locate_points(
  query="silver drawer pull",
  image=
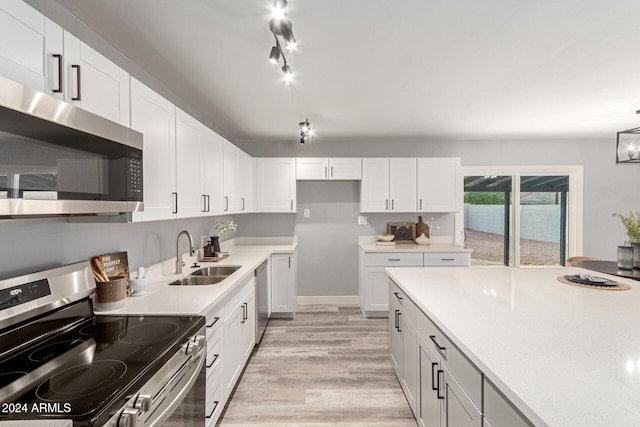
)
(394, 259)
(446, 259)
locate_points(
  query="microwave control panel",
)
(134, 168)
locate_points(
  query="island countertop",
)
(564, 355)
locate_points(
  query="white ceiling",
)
(383, 69)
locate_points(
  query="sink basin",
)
(198, 280)
(223, 270)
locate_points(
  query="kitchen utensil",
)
(110, 294)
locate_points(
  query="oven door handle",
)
(170, 407)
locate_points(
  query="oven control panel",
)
(21, 294)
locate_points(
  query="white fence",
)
(538, 222)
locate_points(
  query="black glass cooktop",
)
(77, 366)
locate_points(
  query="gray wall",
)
(328, 238)
(35, 244)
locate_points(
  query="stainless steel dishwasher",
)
(262, 299)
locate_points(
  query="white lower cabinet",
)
(402, 343)
(284, 284)
(230, 341)
(430, 404)
(459, 409)
(498, 411)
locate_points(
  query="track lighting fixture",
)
(280, 26)
(305, 130)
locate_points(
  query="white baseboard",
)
(338, 299)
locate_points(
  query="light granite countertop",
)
(564, 355)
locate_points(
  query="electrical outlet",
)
(203, 241)
(307, 213)
(362, 220)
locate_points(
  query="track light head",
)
(287, 35)
(286, 73)
(274, 56)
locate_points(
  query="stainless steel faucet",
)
(192, 250)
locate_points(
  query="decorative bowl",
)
(386, 237)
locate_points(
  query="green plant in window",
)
(632, 225)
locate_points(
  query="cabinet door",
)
(94, 83)
(249, 325)
(283, 284)
(231, 171)
(155, 117)
(395, 339)
(247, 181)
(402, 184)
(232, 354)
(376, 289)
(28, 41)
(409, 363)
(374, 190)
(312, 168)
(188, 165)
(439, 185)
(429, 406)
(276, 185)
(211, 169)
(345, 168)
(459, 409)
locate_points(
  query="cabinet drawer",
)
(498, 411)
(407, 308)
(214, 403)
(469, 377)
(447, 258)
(214, 351)
(384, 259)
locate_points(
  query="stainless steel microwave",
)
(58, 159)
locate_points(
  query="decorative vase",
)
(421, 227)
(636, 254)
(625, 257)
(215, 241)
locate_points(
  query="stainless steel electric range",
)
(59, 360)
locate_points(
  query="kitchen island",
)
(562, 355)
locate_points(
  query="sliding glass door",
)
(523, 218)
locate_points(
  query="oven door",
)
(191, 411)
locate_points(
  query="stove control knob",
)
(128, 418)
(195, 344)
(143, 402)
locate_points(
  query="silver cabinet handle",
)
(446, 259)
(393, 204)
(226, 203)
(420, 204)
(78, 97)
(242, 203)
(394, 259)
(59, 58)
(386, 203)
(204, 203)
(325, 172)
(331, 171)
(291, 205)
(175, 202)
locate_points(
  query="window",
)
(523, 216)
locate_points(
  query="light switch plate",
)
(362, 220)
(307, 213)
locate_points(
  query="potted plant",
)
(219, 228)
(629, 255)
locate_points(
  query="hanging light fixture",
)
(628, 145)
(305, 130)
(281, 26)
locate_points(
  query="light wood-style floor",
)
(327, 367)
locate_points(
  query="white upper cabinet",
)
(276, 185)
(388, 185)
(28, 43)
(346, 168)
(232, 202)
(188, 165)
(247, 183)
(211, 171)
(94, 83)
(155, 117)
(440, 185)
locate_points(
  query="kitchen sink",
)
(225, 270)
(198, 280)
